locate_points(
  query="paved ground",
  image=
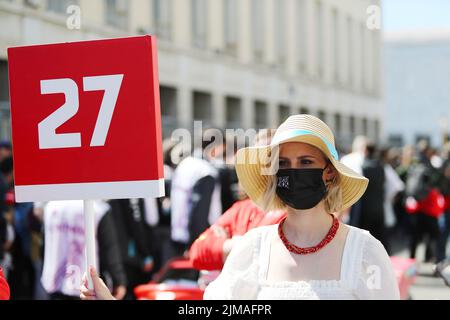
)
(427, 286)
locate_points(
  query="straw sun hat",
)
(254, 165)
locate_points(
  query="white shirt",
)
(354, 161)
(366, 272)
(64, 257)
(392, 185)
(188, 172)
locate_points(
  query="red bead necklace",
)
(297, 250)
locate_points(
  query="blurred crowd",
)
(42, 244)
(407, 201)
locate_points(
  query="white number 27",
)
(49, 139)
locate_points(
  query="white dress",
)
(366, 272)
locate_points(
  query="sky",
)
(404, 15)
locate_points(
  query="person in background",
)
(158, 212)
(354, 161)
(4, 288)
(7, 232)
(22, 276)
(3, 236)
(444, 187)
(372, 202)
(135, 240)
(37, 248)
(5, 150)
(8, 237)
(393, 187)
(21, 273)
(195, 193)
(227, 175)
(421, 190)
(404, 221)
(64, 256)
(5, 170)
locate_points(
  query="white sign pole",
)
(89, 234)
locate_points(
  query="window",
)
(280, 30)
(301, 34)
(202, 107)
(285, 112)
(319, 38)
(233, 112)
(364, 125)
(321, 115)
(260, 115)
(376, 125)
(230, 29)
(336, 41)
(162, 17)
(395, 140)
(60, 6)
(304, 110)
(337, 124)
(117, 13)
(4, 83)
(258, 30)
(168, 97)
(352, 125)
(5, 124)
(199, 18)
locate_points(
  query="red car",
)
(406, 271)
(178, 280)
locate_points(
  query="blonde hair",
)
(332, 201)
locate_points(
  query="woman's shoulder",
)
(366, 241)
(356, 232)
(253, 237)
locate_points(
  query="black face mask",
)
(301, 188)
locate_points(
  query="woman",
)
(310, 254)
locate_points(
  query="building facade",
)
(231, 63)
(417, 93)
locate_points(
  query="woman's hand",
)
(100, 292)
(120, 292)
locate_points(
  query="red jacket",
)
(433, 204)
(4, 288)
(206, 252)
(447, 203)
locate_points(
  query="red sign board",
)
(86, 120)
